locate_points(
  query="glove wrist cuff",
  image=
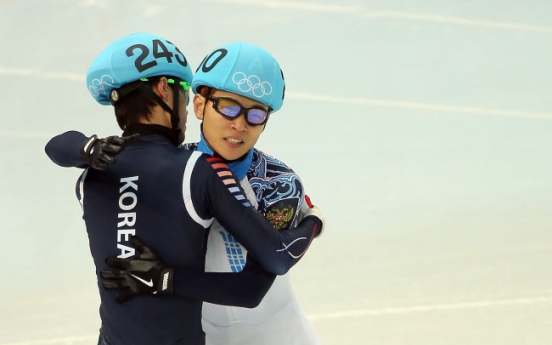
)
(166, 281)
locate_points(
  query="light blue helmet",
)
(133, 57)
(243, 69)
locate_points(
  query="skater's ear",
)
(199, 106)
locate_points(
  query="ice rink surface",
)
(423, 129)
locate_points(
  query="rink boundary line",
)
(346, 314)
(25, 135)
(418, 106)
(295, 5)
(427, 308)
(58, 341)
(456, 20)
(314, 97)
(364, 12)
(36, 73)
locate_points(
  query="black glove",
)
(146, 274)
(98, 153)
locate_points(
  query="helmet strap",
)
(175, 118)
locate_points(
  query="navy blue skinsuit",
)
(168, 197)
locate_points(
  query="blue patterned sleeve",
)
(278, 188)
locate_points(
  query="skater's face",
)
(182, 114)
(230, 137)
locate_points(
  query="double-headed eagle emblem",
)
(281, 216)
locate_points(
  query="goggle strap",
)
(185, 85)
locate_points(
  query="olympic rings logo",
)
(253, 84)
(100, 86)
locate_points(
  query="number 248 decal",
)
(160, 51)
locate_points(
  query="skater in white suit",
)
(234, 80)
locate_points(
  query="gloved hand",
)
(98, 153)
(309, 209)
(147, 274)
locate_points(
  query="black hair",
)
(137, 104)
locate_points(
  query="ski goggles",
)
(231, 109)
(185, 87)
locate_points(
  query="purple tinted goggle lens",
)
(230, 109)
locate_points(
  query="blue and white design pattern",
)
(278, 192)
(234, 251)
(272, 181)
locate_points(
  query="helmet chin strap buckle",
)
(114, 96)
(117, 94)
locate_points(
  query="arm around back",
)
(217, 193)
(64, 149)
(242, 289)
